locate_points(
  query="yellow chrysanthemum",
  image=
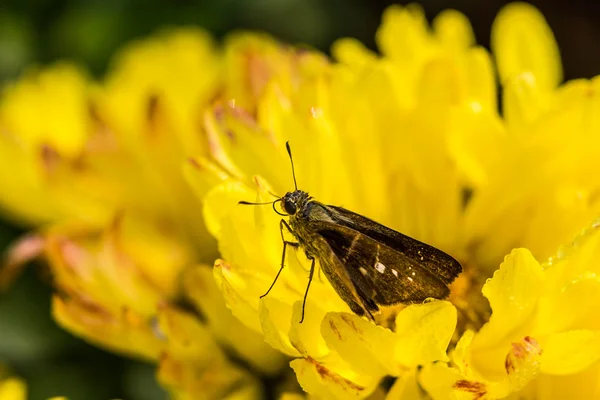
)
(109, 175)
(414, 140)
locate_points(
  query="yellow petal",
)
(584, 385)
(125, 333)
(480, 80)
(165, 96)
(352, 52)
(292, 396)
(424, 332)
(454, 30)
(190, 380)
(570, 305)
(202, 175)
(445, 383)
(522, 364)
(49, 108)
(406, 387)
(368, 348)
(186, 337)
(524, 101)
(305, 336)
(13, 389)
(402, 35)
(200, 287)
(219, 202)
(570, 352)
(523, 42)
(275, 319)
(474, 137)
(317, 380)
(513, 293)
(241, 308)
(441, 85)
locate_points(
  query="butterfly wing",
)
(438, 263)
(377, 264)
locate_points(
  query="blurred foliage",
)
(89, 32)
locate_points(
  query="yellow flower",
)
(108, 174)
(546, 180)
(98, 175)
(544, 325)
(11, 388)
(414, 139)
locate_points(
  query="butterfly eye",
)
(289, 207)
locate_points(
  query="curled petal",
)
(275, 318)
(513, 294)
(424, 332)
(125, 332)
(317, 380)
(368, 348)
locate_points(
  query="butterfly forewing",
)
(378, 272)
(380, 266)
(441, 265)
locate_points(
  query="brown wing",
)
(379, 274)
(346, 286)
(443, 266)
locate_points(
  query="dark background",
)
(42, 31)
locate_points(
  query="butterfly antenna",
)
(247, 203)
(287, 146)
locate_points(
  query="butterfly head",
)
(294, 201)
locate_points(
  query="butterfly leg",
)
(310, 277)
(285, 244)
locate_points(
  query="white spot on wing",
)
(395, 273)
(380, 267)
(410, 279)
(362, 270)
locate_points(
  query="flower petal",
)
(13, 389)
(454, 30)
(406, 387)
(200, 287)
(275, 319)
(570, 352)
(240, 308)
(368, 348)
(305, 336)
(319, 381)
(424, 332)
(186, 380)
(513, 294)
(125, 332)
(523, 42)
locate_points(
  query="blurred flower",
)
(97, 174)
(11, 387)
(414, 139)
